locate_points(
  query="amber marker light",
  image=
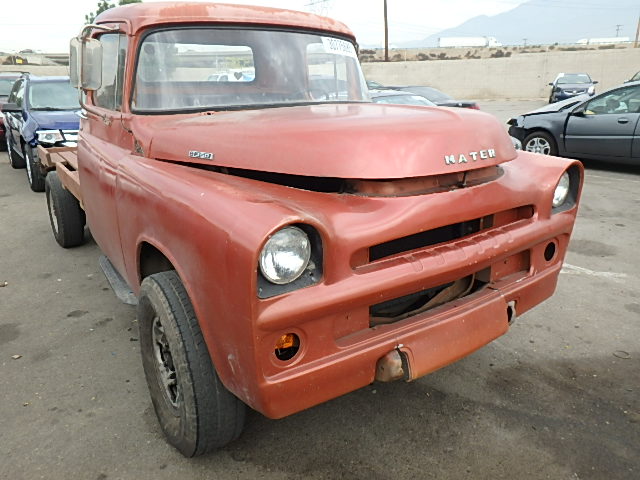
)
(287, 346)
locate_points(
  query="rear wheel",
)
(540, 142)
(65, 214)
(34, 170)
(196, 412)
(14, 160)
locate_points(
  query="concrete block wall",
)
(521, 76)
(36, 69)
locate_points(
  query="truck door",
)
(14, 120)
(606, 129)
(103, 143)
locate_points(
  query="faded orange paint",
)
(140, 187)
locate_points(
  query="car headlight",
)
(285, 256)
(49, 136)
(562, 190)
(517, 144)
(591, 90)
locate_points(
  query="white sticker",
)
(339, 47)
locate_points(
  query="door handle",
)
(623, 120)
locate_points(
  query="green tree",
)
(105, 5)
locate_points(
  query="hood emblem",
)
(471, 156)
(201, 155)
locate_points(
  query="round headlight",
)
(285, 255)
(562, 190)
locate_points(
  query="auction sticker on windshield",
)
(339, 47)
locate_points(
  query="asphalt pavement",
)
(557, 397)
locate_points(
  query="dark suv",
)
(567, 85)
(39, 110)
(7, 79)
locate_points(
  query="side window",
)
(624, 100)
(17, 93)
(114, 52)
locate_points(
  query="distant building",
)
(603, 41)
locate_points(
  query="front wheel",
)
(540, 142)
(34, 170)
(196, 412)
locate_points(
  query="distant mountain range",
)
(547, 22)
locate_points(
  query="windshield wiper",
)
(55, 109)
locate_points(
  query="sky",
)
(47, 26)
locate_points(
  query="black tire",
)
(196, 412)
(14, 160)
(34, 169)
(540, 142)
(65, 214)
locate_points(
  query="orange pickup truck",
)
(286, 240)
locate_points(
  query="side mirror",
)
(550, 84)
(595, 81)
(85, 63)
(10, 108)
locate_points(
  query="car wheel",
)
(14, 160)
(196, 412)
(540, 142)
(34, 171)
(65, 214)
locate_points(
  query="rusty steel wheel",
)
(196, 412)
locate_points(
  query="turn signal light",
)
(287, 346)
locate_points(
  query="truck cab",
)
(287, 240)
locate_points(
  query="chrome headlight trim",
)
(285, 255)
(561, 191)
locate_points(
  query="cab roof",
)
(141, 15)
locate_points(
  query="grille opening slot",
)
(413, 304)
(446, 233)
(428, 238)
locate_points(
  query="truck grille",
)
(448, 233)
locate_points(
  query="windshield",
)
(430, 93)
(221, 68)
(574, 78)
(53, 96)
(404, 100)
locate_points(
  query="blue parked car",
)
(567, 85)
(39, 110)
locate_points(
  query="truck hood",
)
(361, 141)
(56, 119)
(561, 105)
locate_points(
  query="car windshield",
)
(430, 93)
(53, 96)
(574, 78)
(404, 100)
(194, 69)
(5, 86)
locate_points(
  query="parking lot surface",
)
(557, 397)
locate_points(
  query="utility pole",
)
(618, 29)
(524, 42)
(386, 33)
(635, 44)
